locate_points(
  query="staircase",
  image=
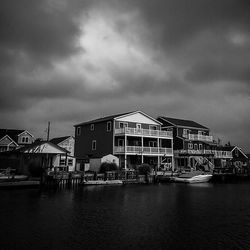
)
(203, 161)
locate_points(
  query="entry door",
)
(138, 126)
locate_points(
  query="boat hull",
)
(194, 179)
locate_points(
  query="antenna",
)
(48, 130)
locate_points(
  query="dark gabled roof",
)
(181, 122)
(225, 148)
(106, 118)
(12, 133)
(57, 140)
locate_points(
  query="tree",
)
(145, 169)
(108, 166)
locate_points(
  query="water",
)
(164, 216)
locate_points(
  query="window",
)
(123, 124)
(190, 146)
(236, 152)
(200, 146)
(78, 131)
(200, 133)
(185, 131)
(153, 127)
(70, 162)
(120, 142)
(108, 126)
(152, 144)
(25, 139)
(92, 127)
(94, 145)
(195, 147)
(62, 162)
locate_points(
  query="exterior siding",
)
(104, 140)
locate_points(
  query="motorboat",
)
(193, 177)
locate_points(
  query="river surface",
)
(162, 216)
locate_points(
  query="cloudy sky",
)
(71, 61)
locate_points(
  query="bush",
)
(108, 166)
(145, 169)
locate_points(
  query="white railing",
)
(215, 153)
(144, 150)
(144, 132)
(197, 137)
(222, 154)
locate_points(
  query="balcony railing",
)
(215, 153)
(144, 150)
(144, 132)
(196, 137)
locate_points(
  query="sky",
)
(70, 61)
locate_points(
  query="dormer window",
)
(25, 139)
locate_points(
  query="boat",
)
(4, 178)
(193, 177)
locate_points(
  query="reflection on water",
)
(173, 216)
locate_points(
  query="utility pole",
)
(48, 131)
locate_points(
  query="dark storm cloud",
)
(187, 59)
(40, 28)
(217, 71)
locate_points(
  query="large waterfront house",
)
(68, 143)
(193, 144)
(133, 137)
(11, 139)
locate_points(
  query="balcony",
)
(222, 154)
(143, 150)
(144, 132)
(215, 153)
(197, 137)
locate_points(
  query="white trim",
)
(138, 111)
(9, 139)
(239, 149)
(26, 131)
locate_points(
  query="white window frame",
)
(195, 146)
(190, 145)
(138, 125)
(200, 132)
(93, 145)
(108, 126)
(70, 161)
(124, 124)
(92, 127)
(62, 162)
(78, 130)
(200, 147)
(185, 133)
